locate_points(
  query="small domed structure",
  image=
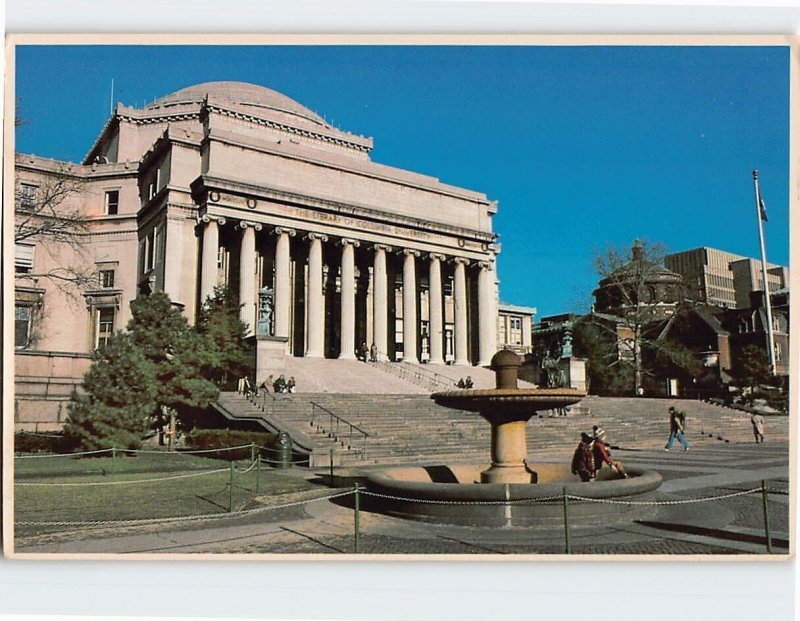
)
(639, 281)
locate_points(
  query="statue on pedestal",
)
(266, 304)
(566, 341)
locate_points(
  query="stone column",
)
(347, 331)
(208, 261)
(380, 302)
(435, 315)
(487, 315)
(315, 320)
(282, 285)
(410, 306)
(460, 295)
(247, 274)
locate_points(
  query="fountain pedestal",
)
(509, 448)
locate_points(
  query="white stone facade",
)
(236, 184)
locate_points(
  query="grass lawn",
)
(106, 496)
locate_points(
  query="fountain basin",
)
(426, 493)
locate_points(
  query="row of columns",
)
(315, 325)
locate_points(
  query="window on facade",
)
(112, 202)
(448, 287)
(107, 279)
(27, 194)
(23, 316)
(105, 326)
(778, 353)
(23, 258)
(516, 323)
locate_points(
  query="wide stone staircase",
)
(410, 428)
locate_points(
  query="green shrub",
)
(28, 442)
(208, 439)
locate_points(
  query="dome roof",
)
(240, 94)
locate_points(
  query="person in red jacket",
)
(601, 454)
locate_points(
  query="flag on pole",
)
(763, 209)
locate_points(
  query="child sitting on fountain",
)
(601, 454)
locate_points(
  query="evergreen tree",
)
(119, 399)
(157, 363)
(751, 369)
(220, 326)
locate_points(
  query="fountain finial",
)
(505, 365)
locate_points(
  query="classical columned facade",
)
(410, 296)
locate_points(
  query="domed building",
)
(229, 183)
(639, 283)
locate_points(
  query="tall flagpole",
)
(767, 303)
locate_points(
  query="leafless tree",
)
(46, 215)
(636, 300)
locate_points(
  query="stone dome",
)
(240, 94)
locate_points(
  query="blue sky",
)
(583, 147)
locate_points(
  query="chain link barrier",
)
(151, 480)
(140, 451)
(188, 518)
(559, 497)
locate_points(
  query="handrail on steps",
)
(333, 427)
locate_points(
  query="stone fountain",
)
(510, 491)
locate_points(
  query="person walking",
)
(677, 427)
(583, 463)
(602, 455)
(758, 426)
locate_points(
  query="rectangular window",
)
(27, 194)
(105, 326)
(112, 202)
(23, 258)
(107, 279)
(448, 286)
(22, 326)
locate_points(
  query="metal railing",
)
(416, 374)
(337, 428)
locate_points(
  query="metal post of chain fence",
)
(766, 515)
(258, 472)
(331, 466)
(230, 501)
(113, 459)
(356, 517)
(567, 542)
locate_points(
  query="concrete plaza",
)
(308, 523)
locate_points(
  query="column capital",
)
(245, 224)
(410, 252)
(206, 218)
(384, 247)
(484, 265)
(313, 236)
(436, 256)
(460, 260)
(280, 230)
(347, 241)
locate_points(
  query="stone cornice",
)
(49, 166)
(435, 186)
(350, 141)
(208, 182)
